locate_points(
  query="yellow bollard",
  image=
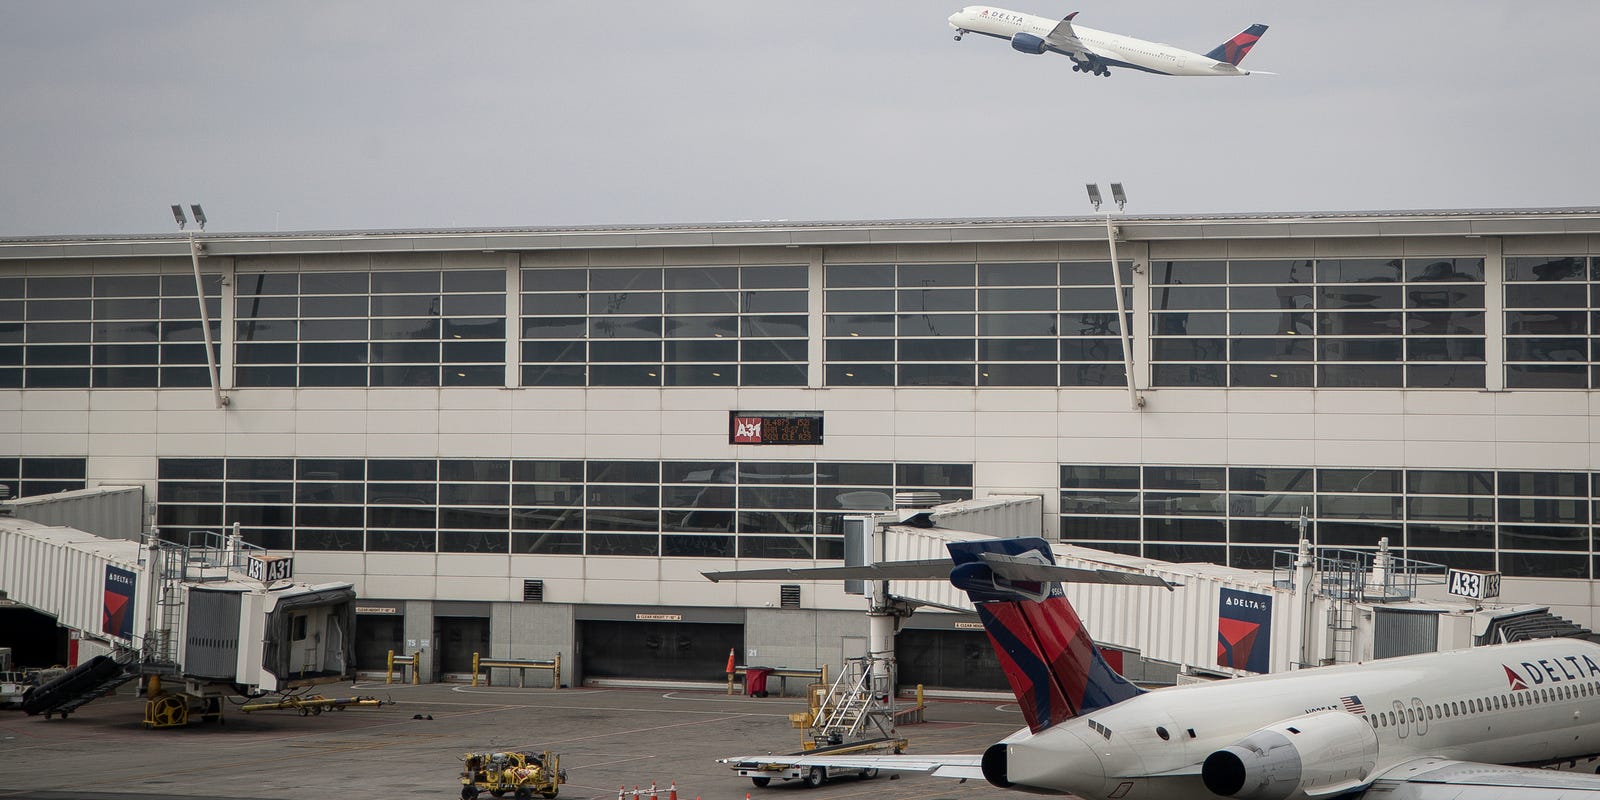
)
(416, 668)
(388, 678)
(474, 668)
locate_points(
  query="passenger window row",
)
(1481, 705)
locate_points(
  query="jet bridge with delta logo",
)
(197, 622)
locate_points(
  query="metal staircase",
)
(858, 705)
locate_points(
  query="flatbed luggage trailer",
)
(762, 773)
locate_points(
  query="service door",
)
(455, 639)
(655, 650)
(948, 659)
(375, 637)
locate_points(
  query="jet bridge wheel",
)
(166, 711)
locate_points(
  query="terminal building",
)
(522, 442)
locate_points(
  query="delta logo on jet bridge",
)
(1552, 670)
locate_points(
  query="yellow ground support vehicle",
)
(521, 775)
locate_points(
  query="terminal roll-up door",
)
(693, 651)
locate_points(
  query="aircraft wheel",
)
(761, 783)
(816, 776)
(870, 774)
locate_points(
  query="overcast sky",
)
(330, 115)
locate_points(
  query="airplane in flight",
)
(1460, 725)
(1096, 52)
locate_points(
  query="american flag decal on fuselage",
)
(1353, 704)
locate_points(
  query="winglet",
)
(1068, 18)
(1234, 50)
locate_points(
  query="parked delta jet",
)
(1460, 725)
(1095, 51)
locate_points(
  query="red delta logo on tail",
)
(1054, 668)
(1234, 50)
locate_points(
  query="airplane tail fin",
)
(1053, 667)
(1234, 50)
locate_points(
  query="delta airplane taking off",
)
(1461, 725)
(1095, 51)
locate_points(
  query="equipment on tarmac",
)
(312, 704)
(520, 774)
(855, 715)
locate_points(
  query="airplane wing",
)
(1443, 779)
(961, 767)
(1062, 36)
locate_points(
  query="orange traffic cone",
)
(652, 790)
(729, 670)
(672, 791)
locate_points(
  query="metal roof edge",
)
(783, 233)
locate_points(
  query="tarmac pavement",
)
(606, 737)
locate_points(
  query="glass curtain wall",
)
(745, 509)
(983, 324)
(105, 331)
(674, 326)
(1353, 322)
(1530, 524)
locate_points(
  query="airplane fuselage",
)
(1109, 49)
(1527, 703)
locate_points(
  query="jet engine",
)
(994, 766)
(1326, 752)
(1027, 43)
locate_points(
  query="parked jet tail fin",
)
(1234, 50)
(1053, 667)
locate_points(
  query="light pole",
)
(195, 250)
(1121, 200)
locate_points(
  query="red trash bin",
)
(755, 681)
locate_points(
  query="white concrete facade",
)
(1016, 438)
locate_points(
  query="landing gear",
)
(960, 33)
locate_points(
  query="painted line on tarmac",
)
(710, 699)
(500, 706)
(631, 731)
(523, 692)
(615, 761)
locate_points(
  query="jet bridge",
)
(214, 618)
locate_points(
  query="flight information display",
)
(774, 427)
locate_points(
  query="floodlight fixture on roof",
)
(1094, 194)
(200, 214)
(177, 214)
(1116, 194)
